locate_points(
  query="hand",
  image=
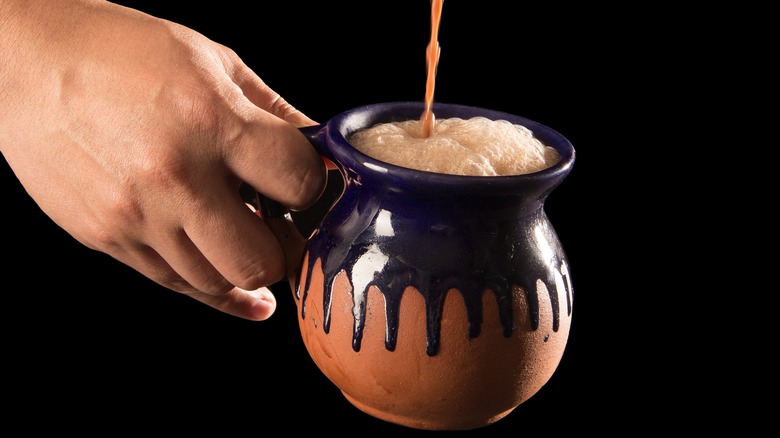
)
(134, 134)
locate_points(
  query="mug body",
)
(434, 301)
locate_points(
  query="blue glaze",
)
(395, 227)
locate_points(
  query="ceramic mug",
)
(433, 301)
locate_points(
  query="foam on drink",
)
(475, 147)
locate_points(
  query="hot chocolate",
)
(476, 147)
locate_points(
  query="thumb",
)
(260, 94)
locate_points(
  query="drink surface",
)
(474, 147)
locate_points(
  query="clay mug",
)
(432, 301)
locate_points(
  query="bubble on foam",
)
(476, 146)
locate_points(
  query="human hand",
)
(134, 134)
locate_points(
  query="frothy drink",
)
(476, 147)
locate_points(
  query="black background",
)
(95, 345)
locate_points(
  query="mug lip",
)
(347, 122)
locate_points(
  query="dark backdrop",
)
(95, 341)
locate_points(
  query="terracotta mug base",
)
(425, 423)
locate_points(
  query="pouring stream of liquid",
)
(433, 52)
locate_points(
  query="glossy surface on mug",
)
(394, 227)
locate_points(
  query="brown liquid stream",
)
(432, 54)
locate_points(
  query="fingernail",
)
(264, 303)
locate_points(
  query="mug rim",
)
(341, 126)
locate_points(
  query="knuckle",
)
(101, 237)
